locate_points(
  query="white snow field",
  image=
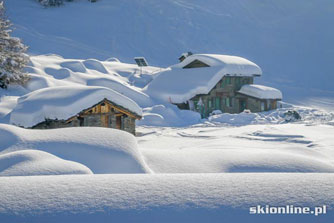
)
(176, 146)
(34, 162)
(163, 198)
(179, 167)
(214, 148)
(102, 150)
(289, 40)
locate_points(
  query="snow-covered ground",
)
(183, 169)
(289, 40)
(210, 148)
(100, 150)
(163, 197)
(176, 149)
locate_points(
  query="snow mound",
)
(113, 59)
(63, 103)
(75, 66)
(277, 116)
(260, 91)
(33, 162)
(164, 198)
(93, 64)
(177, 85)
(168, 115)
(102, 150)
(140, 98)
(210, 148)
(58, 73)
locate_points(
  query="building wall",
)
(224, 97)
(98, 116)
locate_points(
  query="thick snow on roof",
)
(63, 103)
(178, 85)
(240, 65)
(261, 92)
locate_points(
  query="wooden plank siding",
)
(103, 114)
(225, 97)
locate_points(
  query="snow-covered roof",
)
(64, 102)
(236, 65)
(261, 92)
(177, 85)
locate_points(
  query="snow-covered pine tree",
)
(12, 54)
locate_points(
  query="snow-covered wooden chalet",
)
(209, 82)
(76, 106)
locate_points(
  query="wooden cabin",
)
(103, 114)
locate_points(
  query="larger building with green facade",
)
(209, 82)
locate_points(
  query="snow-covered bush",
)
(12, 54)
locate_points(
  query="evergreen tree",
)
(12, 54)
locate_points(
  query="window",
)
(269, 104)
(217, 103)
(228, 80)
(237, 80)
(228, 102)
(262, 106)
(210, 103)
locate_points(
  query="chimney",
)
(184, 56)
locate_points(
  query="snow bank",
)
(210, 148)
(63, 103)
(34, 162)
(94, 64)
(177, 85)
(75, 66)
(163, 198)
(102, 150)
(260, 91)
(168, 115)
(277, 116)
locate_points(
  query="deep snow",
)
(290, 40)
(35, 162)
(102, 150)
(163, 198)
(63, 103)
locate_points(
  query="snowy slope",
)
(289, 40)
(34, 162)
(210, 148)
(163, 198)
(102, 150)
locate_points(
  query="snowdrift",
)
(102, 150)
(260, 31)
(34, 162)
(210, 148)
(163, 198)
